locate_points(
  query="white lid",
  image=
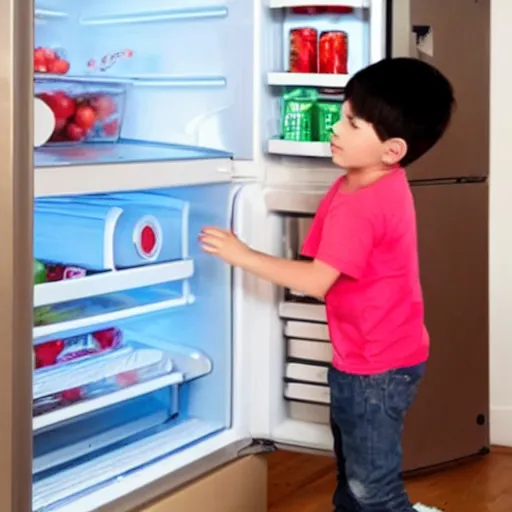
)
(44, 122)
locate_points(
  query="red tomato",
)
(110, 129)
(59, 66)
(75, 132)
(49, 55)
(61, 104)
(104, 106)
(72, 395)
(39, 54)
(60, 123)
(39, 62)
(85, 117)
(108, 338)
(46, 353)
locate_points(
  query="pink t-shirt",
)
(375, 308)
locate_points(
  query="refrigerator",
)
(132, 363)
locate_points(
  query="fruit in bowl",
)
(90, 116)
(47, 60)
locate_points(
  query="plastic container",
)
(85, 109)
(110, 232)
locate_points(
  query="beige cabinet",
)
(237, 487)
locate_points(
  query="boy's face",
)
(356, 146)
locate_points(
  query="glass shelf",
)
(124, 151)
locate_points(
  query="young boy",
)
(363, 246)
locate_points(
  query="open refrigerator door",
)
(310, 51)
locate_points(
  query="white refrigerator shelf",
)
(308, 350)
(320, 80)
(280, 4)
(110, 282)
(306, 330)
(307, 392)
(306, 373)
(303, 311)
(180, 363)
(277, 146)
(115, 463)
(109, 318)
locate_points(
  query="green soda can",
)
(327, 115)
(39, 272)
(297, 117)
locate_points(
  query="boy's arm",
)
(313, 278)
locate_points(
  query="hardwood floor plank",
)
(304, 483)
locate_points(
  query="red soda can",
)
(334, 52)
(340, 9)
(309, 10)
(303, 50)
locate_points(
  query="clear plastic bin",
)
(85, 109)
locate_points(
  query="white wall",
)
(501, 223)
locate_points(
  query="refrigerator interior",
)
(108, 404)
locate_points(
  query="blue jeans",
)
(367, 417)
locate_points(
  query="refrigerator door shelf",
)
(305, 350)
(110, 282)
(296, 200)
(323, 80)
(181, 365)
(279, 4)
(310, 413)
(306, 373)
(303, 311)
(307, 393)
(306, 330)
(114, 464)
(95, 168)
(114, 308)
(279, 146)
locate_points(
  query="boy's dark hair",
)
(405, 98)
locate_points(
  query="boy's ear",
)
(394, 151)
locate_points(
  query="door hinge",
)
(258, 446)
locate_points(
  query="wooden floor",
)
(304, 483)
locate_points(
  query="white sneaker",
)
(423, 508)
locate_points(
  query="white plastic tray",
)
(306, 373)
(306, 330)
(307, 392)
(303, 311)
(320, 351)
(321, 80)
(296, 148)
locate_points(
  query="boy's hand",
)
(225, 245)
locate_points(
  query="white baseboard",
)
(501, 426)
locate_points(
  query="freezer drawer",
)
(239, 486)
